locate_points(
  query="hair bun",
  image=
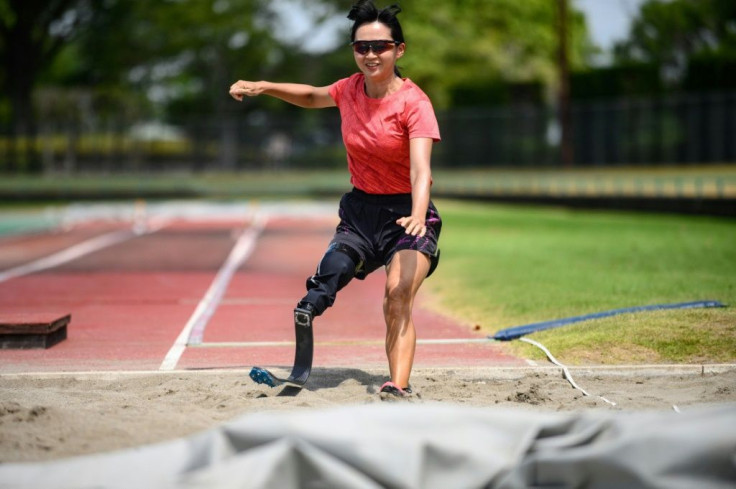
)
(362, 9)
(365, 12)
(394, 9)
(366, 9)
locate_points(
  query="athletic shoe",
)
(392, 392)
(262, 376)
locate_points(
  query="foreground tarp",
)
(421, 446)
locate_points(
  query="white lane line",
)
(194, 329)
(259, 344)
(450, 341)
(76, 251)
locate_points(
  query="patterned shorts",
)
(368, 225)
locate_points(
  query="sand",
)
(52, 416)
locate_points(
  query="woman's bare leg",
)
(404, 276)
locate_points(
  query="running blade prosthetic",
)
(302, 357)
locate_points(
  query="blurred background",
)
(642, 92)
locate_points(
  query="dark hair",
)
(365, 12)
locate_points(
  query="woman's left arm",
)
(420, 154)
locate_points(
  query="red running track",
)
(131, 300)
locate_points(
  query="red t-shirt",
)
(376, 133)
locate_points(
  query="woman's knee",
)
(398, 296)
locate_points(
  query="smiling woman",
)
(388, 220)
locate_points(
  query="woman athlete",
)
(388, 128)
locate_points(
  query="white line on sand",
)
(194, 329)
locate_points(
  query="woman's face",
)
(377, 66)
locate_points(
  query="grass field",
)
(504, 266)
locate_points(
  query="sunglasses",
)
(378, 47)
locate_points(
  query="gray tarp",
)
(420, 446)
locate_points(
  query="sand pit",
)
(51, 416)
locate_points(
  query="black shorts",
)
(368, 225)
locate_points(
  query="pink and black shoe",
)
(391, 392)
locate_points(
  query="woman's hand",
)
(245, 88)
(413, 225)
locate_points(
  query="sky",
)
(608, 22)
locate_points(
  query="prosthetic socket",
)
(336, 269)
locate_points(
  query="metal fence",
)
(688, 128)
(676, 129)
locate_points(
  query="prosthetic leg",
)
(336, 269)
(302, 356)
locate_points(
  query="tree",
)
(669, 33)
(181, 55)
(31, 34)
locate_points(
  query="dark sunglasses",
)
(378, 47)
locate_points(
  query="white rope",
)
(566, 372)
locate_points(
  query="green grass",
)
(504, 266)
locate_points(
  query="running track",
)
(202, 286)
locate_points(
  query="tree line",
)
(175, 59)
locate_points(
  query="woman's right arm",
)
(302, 95)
